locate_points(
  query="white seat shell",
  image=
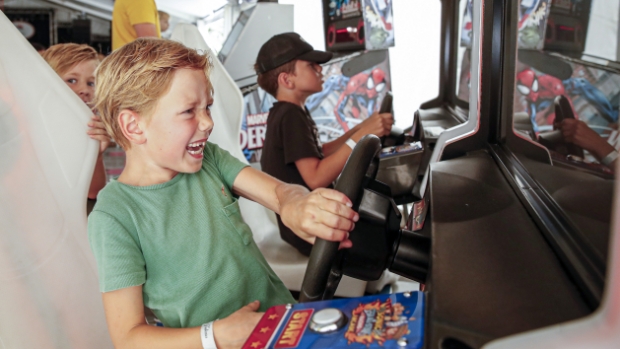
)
(49, 291)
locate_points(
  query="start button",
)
(328, 320)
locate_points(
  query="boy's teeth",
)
(196, 148)
(196, 144)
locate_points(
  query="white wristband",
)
(206, 335)
(611, 157)
(351, 143)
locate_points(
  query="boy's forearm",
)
(124, 311)
(331, 147)
(152, 337)
(323, 172)
(155, 337)
(259, 187)
(601, 148)
(286, 192)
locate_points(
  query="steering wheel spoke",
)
(324, 269)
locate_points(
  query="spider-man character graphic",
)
(384, 9)
(334, 84)
(360, 94)
(583, 87)
(539, 91)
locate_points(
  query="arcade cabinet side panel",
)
(492, 272)
(265, 21)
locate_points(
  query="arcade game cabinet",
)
(253, 27)
(358, 83)
(512, 242)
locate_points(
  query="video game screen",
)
(533, 16)
(594, 94)
(378, 24)
(342, 9)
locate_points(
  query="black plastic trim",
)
(447, 56)
(582, 263)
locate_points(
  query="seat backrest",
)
(49, 294)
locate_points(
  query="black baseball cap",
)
(283, 48)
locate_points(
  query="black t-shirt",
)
(291, 135)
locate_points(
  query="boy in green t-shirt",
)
(168, 233)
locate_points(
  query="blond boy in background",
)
(76, 64)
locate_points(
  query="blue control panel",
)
(380, 321)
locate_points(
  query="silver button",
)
(327, 320)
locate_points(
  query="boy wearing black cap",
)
(288, 68)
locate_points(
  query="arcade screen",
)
(354, 87)
(374, 33)
(533, 16)
(341, 9)
(593, 92)
(378, 24)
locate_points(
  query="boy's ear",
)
(130, 124)
(284, 80)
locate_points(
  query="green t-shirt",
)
(185, 242)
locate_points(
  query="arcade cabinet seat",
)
(49, 293)
(227, 111)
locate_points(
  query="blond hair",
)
(62, 57)
(137, 75)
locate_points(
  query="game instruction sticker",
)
(382, 321)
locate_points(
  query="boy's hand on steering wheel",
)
(234, 330)
(579, 133)
(377, 124)
(97, 131)
(324, 213)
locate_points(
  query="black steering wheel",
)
(325, 265)
(554, 140)
(564, 110)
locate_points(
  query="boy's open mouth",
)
(196, 148)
